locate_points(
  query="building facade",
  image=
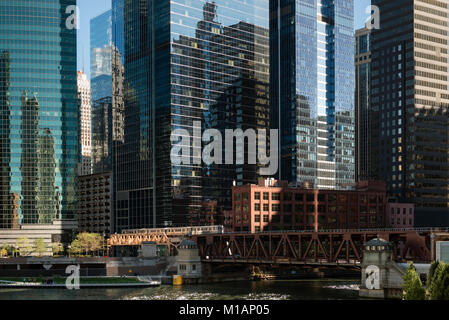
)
(400, 215)
(193, 66)
(85, 134)
(273, 205)
(101, 55)
(38, 113)
(362, 103)
(102, 135)
(95, 203)
(409, 102)
(312, 91)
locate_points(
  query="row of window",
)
(309, 197)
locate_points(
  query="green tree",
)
(439, 283)
(412, 287)
(75, 248)
(40, 247)
(3, 252)
(57, 248)
(23, 246)
(432, 269)
(87, 243)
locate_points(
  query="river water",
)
(323, 289)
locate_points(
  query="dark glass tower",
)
(312, 90)
(362, 102)
(187, 65)
(38, 113)
(409, 103)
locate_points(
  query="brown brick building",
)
(95, 203)
(274, 205)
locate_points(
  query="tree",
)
(23, 246)
(3, 252)
(75, 248)
(439, 283)
(57, 248)
(432, 269)
(412, 287)
(40, 247)
(86, 243)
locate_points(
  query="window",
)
(245, 207)
(265, 207)
(299, 208)
(193, 267)
(257, 218)
(257, 206)
(257, 196)
(237, 197)
(287, 196)
(276, 207)
(276, 196)
(265, 196)
(265, 218)
(299, 197)
(310, 197)
(287, 207)
(257, 229)
(245, 196)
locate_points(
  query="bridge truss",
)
(337, 247)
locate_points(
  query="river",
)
(323, 289)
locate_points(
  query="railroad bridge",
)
(331, 248)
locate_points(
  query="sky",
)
(89, 9)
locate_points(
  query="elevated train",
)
(178, 231)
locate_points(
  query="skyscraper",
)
(193, 66)
(84, 99)
(312, 91)
(362, 102)
(39, 116)
(101, 55)
(409, 102)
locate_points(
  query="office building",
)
(409, 103)
(95, 203)
(187, 65)
(362, 102)
(312, 91)
(273, 205)
(38, 117)
(84, 100)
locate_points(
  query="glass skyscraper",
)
(187, 65)
(362, 102)
(38, 113)
(409, 106)
(101, 55)
(312, 90)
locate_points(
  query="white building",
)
(84, 96)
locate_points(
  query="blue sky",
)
(92, 8)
